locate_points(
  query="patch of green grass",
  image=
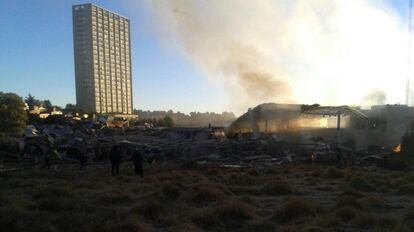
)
(314, 229)
(67, 221)
(249, 200)
(277, 187)
(361, 203)
(4, 198)
(205, 218)
(348, 201)
(171, 191)
(373, 202)
(206, 199)
(235, 210)
(326, 188)
(393, 183)
(240, 179)
(113, 197)
(408, 219)
(134, 223)
(353, 193)
(231, 215)
(289, 228)
(316, 173)
(407, 189)
(13, 218)
(53, 204)
(185, 227)
(252, 172)
(360, 183)
(172, 175)
(212, 172)
(333, 173)
(245, 190)
(260, 225)
(375, 222)
(206, 193)
(152, 210)
(294, 208)
(409, 176)
(190, 165)
(346, 214)
(329, 221)
(52, 191)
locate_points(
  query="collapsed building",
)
(378, 128)
(282, 133)
(385, 127)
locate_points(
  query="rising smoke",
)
(375, 97)
(300, 51)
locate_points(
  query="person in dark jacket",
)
(115, 157)
(137, 160)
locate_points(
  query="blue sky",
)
(36, 56)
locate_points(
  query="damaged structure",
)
(269, 134)
(378, 128)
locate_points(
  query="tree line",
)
(13, 116)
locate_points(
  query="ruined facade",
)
(378, 128)
(385, 127)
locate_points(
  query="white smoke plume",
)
(375, 97)
(329, 52)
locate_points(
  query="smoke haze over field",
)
(299, 51)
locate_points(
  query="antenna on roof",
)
(407, 90)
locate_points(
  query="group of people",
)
(115, 156)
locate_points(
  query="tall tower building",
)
(102, 50)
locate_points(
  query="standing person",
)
(137, 160)
(115, 157)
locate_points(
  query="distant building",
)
(194, 119)
(37, 110)
(102, 60)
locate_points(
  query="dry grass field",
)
(186, 197)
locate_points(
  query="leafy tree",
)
(169, 122)
(31, 101)
(13, 117)
(57, 107)
(71, 108)
(48, 105)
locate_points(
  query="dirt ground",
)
(188, 197)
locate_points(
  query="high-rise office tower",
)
(102, 60)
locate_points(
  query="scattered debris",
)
(76, 141)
